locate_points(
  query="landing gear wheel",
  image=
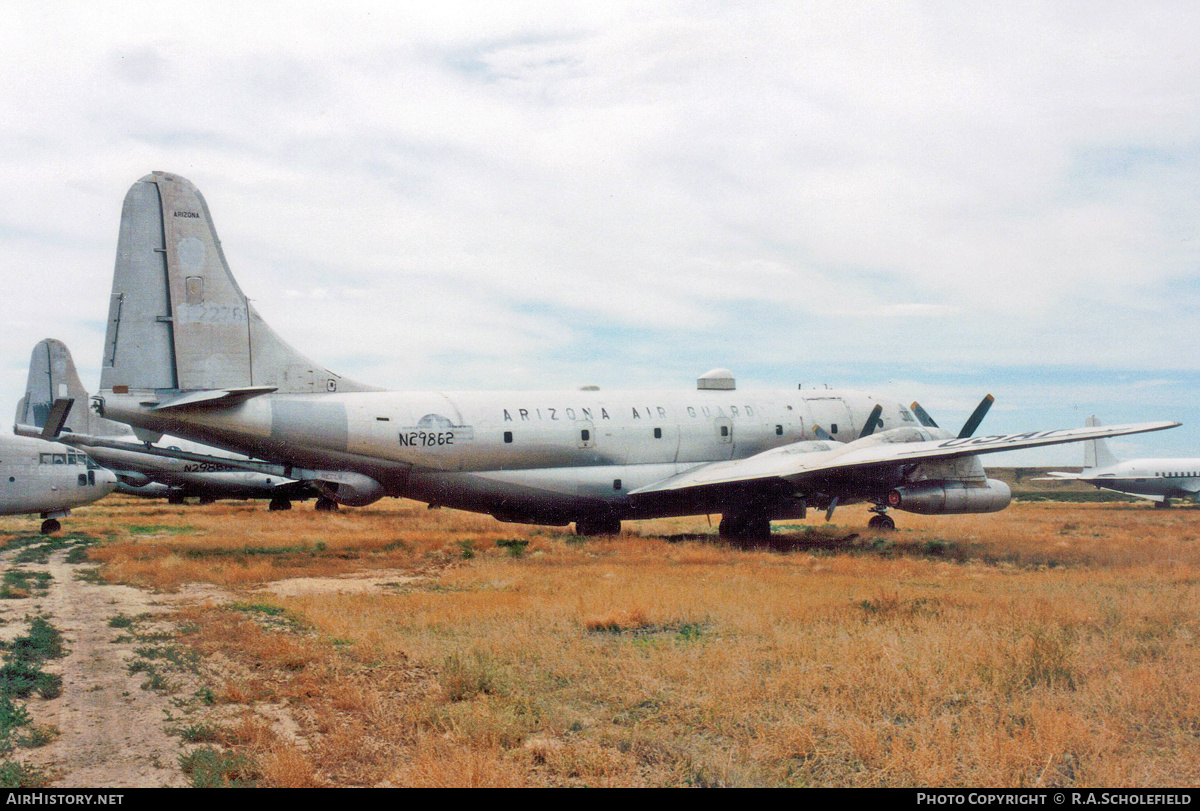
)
(206, 500)
(585, 527)
(50, 525)
(175, 498)
(325, 505)
(881, 521)
(279, 504)
(1165, 504)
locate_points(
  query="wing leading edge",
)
(901, 446)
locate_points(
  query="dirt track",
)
(111, 731)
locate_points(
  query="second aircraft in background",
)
(1158, 480)
(52, 376)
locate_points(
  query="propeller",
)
(923, 415)
(873, 421)
(976, 417)
(57, 417)
(969, 426)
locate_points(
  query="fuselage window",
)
(83, 480)
(833, 428)
(658, 433)
(724, 430)
(585, 435)
(778, 430)
(616, 484)
(508, 436)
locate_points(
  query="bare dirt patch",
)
(110, 731)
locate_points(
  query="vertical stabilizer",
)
(52, 376)
(177, 319)
(1095, 451)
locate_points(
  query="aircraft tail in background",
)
(52, 376)
(1095, 451)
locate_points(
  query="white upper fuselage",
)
(37, 476)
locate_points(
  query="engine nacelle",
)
(350, 489)
(133, 478)
(942, 497)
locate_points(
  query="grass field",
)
(1053, 644)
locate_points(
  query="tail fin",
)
(1095, 451)
(52, 376)
(177, 319)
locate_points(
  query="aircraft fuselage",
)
(37, 476)
(545, 456)
(1169, 478)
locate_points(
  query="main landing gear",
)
(279, 504)
(325, 505)
(50, 526)
(881, 520)
(602, 525)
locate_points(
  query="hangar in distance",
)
(187, 354)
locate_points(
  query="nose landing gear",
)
(881, 520)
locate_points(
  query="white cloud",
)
(782, 186)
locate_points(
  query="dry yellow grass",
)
(1050, 645)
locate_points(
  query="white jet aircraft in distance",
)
(37, 476)
(52, 376)
(186, 354)
(1158, 480)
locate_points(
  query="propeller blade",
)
(57, 417)
(873, 421)
(829, 512)
(821, 434)
(976, 417)
(923, 415)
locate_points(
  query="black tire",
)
(279, 504)
(50, 525)
(882, 522)
(325, 504)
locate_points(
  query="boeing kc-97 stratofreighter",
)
(1158, 480)
(186, 354)
(52, 376)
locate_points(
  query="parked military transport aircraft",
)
(1158, 480)
(52, 375)
(187, 354)
(43, 477)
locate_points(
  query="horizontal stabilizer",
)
(214, 398)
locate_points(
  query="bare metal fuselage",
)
(48, 478)
(539, 456)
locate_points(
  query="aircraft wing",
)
(802, 461)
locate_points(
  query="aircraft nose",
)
(106, 480)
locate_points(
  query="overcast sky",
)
(930, 201)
